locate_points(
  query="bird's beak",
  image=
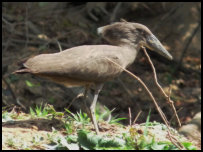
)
(154, 44)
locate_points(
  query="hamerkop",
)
(88, 65)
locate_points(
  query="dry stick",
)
(59, 45)
(137, 116)
(113, 16)
(159, 86)
(153, 99)
(187, 46)
(78, 96)
(173, 107)
(181, 108)
(167, 96)
(130, 117)
(26, 26)
(149, 92)
(13, 94)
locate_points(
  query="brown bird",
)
(88, 66)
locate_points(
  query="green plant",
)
(50, 109)
(6, 116)
(89, 141)
(115, 120)
(104, 115)
(59, 142)
(52, 134)
(69, 127)
(30, 84)
(39, 112)
(107, 113)
(36, 140)
(146, 141)
(79, 117)
(147, 123)
(10, 142)
(189, 146)
(130, 143)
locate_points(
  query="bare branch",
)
(175, 142)
(130, 116)
(161, 89)
(113, 16)
(137, 117)
(186, 46)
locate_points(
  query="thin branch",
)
(137, 117)
(130, 116)
(26, 26)
(78, 96)
(161, 89)
(59, 45)
(177, 144)
(146, 88)
(174, 114)
(13, 94)
(113, 16)
(187, 46)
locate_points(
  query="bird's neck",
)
(129, 54)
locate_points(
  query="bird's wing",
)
(86, 63)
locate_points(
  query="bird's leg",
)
(93, 105)
(85, 99)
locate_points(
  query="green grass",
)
(80, 117)
(108, 113)
(47, 111)
(39, 112)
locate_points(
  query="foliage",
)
(6, 116)
(88, 140)
(108, 113)
(75, 139)
(38, 112)
(115, 120)
(46, 112)
(30, 84)
(80, 117)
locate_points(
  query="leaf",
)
(147, 123)
(28, 83)
(32, 112)
(89, 141)
(189, 146)
(85, 142)
(72, 138)
(107, 142)
(156, 146)
(115, 120)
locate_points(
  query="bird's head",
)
(134, 34)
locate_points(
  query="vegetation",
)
(77, 133)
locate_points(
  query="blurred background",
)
(29, 29)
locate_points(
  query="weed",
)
(39, 112)
(80, 117)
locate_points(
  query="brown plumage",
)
(87, 65)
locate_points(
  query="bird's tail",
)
(22, 71)
(22, 68)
